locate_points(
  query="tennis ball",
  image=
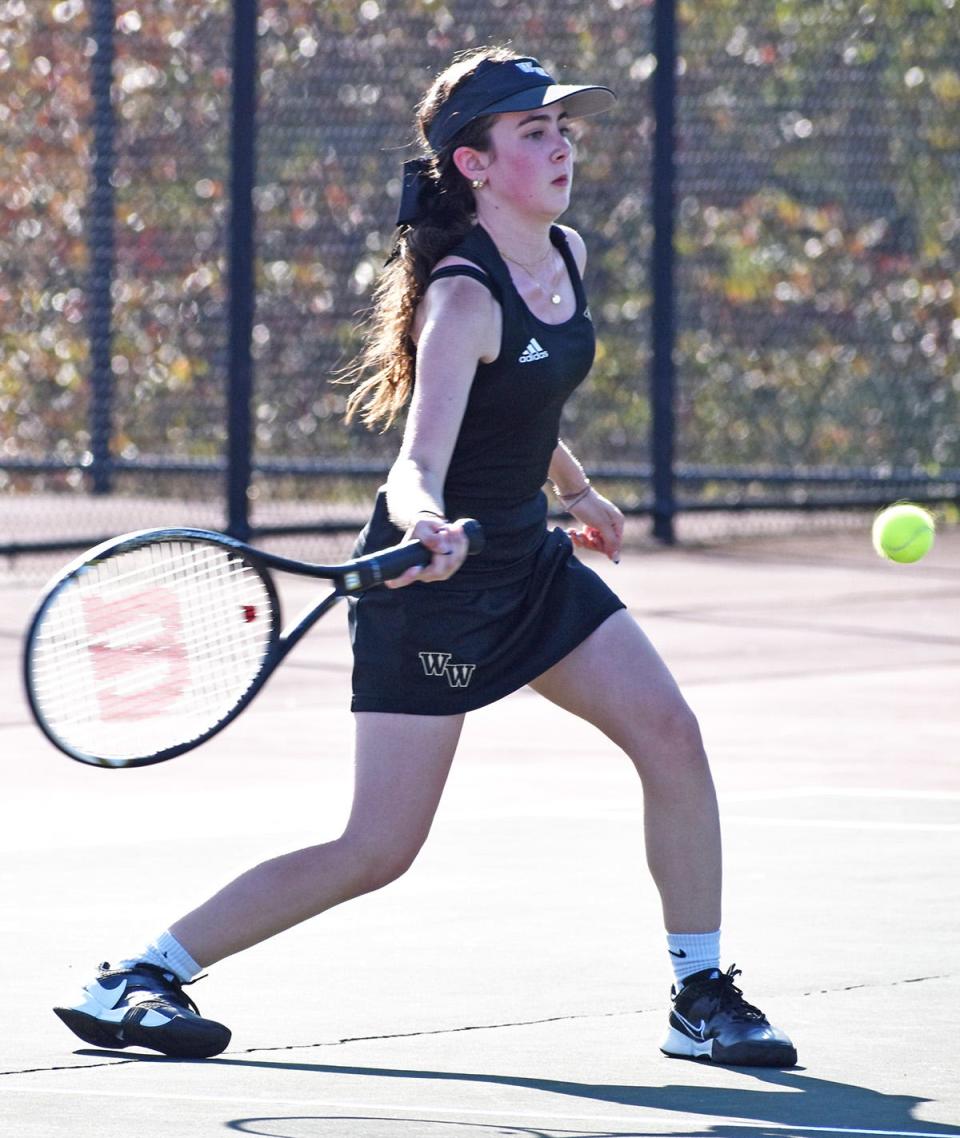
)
(903, 532)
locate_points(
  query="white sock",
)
(693, 952)
(166, 952)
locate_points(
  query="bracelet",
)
(575, 496)
(432, 514)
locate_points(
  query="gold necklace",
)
(555, 297)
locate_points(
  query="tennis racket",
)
(150, 643)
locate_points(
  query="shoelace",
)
(730, 998)
(171, 986)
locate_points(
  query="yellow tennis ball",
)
(903, 532)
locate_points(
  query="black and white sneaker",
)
(711, 1020)
(143, 1006)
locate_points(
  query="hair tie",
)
(418, 188)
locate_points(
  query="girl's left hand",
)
(602, 526)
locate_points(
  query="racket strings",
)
(186, 579)
(151, 648)
(188, 585)
(150, 673)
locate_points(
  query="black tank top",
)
(511, 424)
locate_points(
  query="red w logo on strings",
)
(138, 653)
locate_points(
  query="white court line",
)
(606, 809)
(846, 824)
(415, 1112)
(777, 793)
(843, 792)
(618, 812)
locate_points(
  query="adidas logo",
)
(533, 352)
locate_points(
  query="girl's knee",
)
(376, 863)
(671, 745)
(682, 730)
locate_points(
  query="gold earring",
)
(478, 183)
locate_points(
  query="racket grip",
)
(385, 564)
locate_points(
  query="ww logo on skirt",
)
(438, 664)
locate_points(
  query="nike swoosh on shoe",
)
(697, 1032)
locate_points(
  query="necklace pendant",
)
(555, 298)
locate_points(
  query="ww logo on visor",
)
(532, 68)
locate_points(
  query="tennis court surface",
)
(515, 981)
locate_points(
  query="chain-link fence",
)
(819, 246)
(817, 242)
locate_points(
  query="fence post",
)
(662, 374)
(240, 254)
(100, 238)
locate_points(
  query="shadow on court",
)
(803, 1102)
(792, 1102)
(319, 1126)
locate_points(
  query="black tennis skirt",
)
(447, 647)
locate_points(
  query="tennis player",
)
(480, 332)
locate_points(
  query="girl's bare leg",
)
(616, 680)
(402, 762)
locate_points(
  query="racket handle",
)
(475, 536)
(385, 564)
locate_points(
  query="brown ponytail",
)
(382, 374)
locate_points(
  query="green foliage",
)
(818, 224)
(43, 175)
(819, 234)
